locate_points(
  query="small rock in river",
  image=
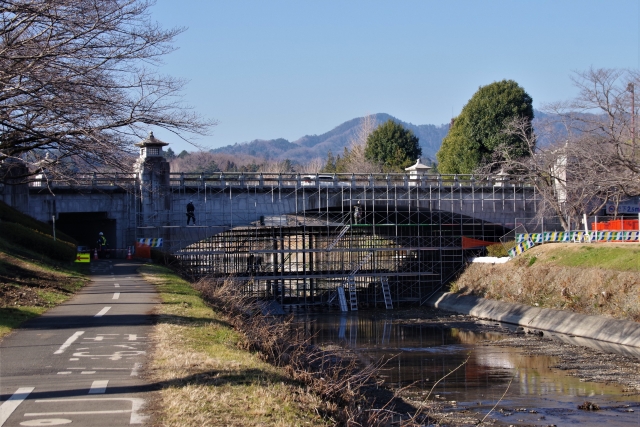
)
(589, 406)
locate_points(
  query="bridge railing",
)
(286, 180)
(344, 180)
(87, 180)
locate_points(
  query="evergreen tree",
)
(392, 146)
(478, 131)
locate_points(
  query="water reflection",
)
(421, 354)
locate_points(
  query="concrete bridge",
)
(151, 203)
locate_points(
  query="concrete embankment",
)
(623, 332)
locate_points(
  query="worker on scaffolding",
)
(356, 214)
(190, 212)
(250, 263)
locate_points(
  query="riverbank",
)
(204, 375)
(578, 290)
(593, 279)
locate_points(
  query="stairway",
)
(386, 293)
(337, 239)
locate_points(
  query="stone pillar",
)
(155, 190)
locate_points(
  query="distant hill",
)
(312, 146)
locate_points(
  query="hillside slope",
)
(593, 279)
(36, 273)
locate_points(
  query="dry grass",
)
(602, 279)
(335, 376)
(206, 378)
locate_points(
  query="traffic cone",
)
(129, 253)
(95, 254)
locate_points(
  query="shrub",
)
(164, 258)
(497, 250)
(22, 236)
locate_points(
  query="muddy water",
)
(421, 354)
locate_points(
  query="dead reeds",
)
(336, 376)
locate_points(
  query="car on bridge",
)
(321, 180)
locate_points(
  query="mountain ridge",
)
(335, 140)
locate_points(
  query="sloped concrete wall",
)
(600, 328)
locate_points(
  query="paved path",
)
(79, 362)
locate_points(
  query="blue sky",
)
(270, 69)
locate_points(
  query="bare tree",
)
(602, 111)
(79, 80)
(354, 159)
(275, 166)
(568, 174)
(312, 167)
(595, 159)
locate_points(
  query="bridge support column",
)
(155, 191)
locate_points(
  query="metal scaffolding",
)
(379, 251)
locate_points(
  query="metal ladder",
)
(351, 282)
(342, 300)
(353, 298)
(386, 293)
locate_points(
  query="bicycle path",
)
(80, 362)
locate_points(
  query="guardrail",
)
(283, 180)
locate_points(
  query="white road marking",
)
(7, 408)
(133, 337)
(46, 422)
(102, 312)
(136, 368)
(136, 405)
(116, 295)
(73, 359)
(117, 285)
(98, 387)
(118, 355)
(87, 372)
(64, 373)
(111, 369)
(48, 414)
(68, 342)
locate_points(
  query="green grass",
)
(23, 267)
(608, 258)
(12, 317)
(206, 377)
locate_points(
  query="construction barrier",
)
(616, 225)
(83, 257)
(154, 243)
(579, 236)
(554, 237)
(142, 250)
(520, 248)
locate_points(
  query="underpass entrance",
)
(85, 226)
